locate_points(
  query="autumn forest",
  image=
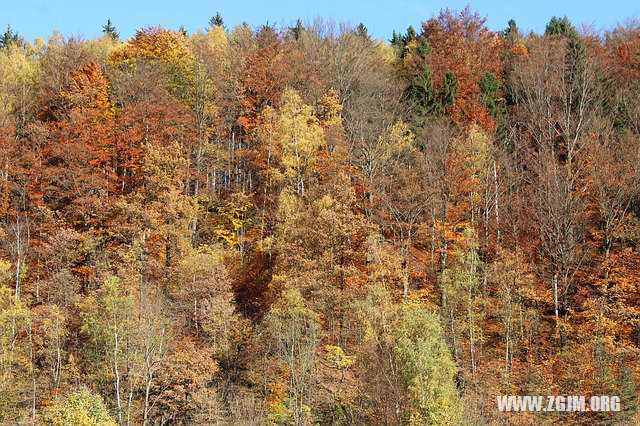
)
(306, 225)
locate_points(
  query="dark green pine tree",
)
(110, 30)
(362, 31)
(449, 91)
(216, 21)
(402, 40)
(423, 48)
(425, 102)
(492, 93)
(297, 30)
(396, 39)
(511, 33)
(9, 37)
(575, 65)
(411, 34)
(421, 95)
(559, 26)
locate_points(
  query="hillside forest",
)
(306, 225)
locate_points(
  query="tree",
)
(399, 188)
(377, 359)
(559, 26)
(293, 329)
(110, 31)
(362, 31)
(80, 407)
(514, 283)
(300, 137)
(426, 367)
(456, 48)
(566, 100)
(11, 38)
(511, 32)
(297, 30)
(82, 143)
(463, 301)
(182, 390)
(107, 318)
(14, 352)
(55, 334)
(306, 224)
(216, 21)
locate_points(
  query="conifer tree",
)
(216, 21)
(109, 30)
(10, 37)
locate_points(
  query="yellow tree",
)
(300, 136)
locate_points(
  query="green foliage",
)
(297, 30)
(575, 59)
(425, 100)
(423, 48)
(361, 31)
(401, 41)
(559, 26)
(492, 93)
(426, 366)
(110, 31)
(82, 407)
(449, 90)
(511, 33)
(216, 21)
(11, 38)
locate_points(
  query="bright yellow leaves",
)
(153, 43)
(338, 358)
(18, 69)
(300, 136)
(329, 108)
(231, 216)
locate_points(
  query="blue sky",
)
(32, 18)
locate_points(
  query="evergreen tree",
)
(297, 30)
(492, 93)
(362, 31)
(10, 37)
(110, 30)
(396, 39)
(411, 33)
(401, 41)
(425, 100)
(559, 26)
(216, 21)
(511, 32)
